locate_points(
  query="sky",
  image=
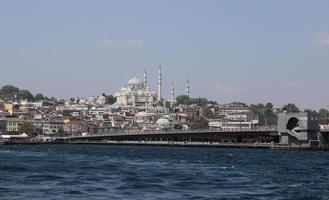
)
(231, 50)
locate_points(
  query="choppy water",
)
(140, 172)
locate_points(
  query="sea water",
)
(151, 172)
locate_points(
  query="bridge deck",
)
(176, 132)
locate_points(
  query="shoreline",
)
(178, 144)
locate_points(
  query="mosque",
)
(137, 93)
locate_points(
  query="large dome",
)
(135, 81)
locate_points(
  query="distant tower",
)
(160, 84)
(145, 79)
(187, 88)
(172, 94)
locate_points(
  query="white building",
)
(136, 93)
(101, 100)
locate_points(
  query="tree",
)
(324, 116)
(265, 114)
(178, 127)
(39, 97)
(182, 100)
(309, 110)
(29, 129)
(53, 99)
(38, 130)
(109, 99)
(186, 100)
(291, 108)
(269, 106)
(199, 123)
(271, 117)
(9, 91)
(260, 106)
(160, 103)
(61, 131)
(206, 112)
(26, 95)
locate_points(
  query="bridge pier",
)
(324, 139)
(298, 128)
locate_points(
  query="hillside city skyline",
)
(254, 52)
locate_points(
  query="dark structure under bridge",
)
(246, 136)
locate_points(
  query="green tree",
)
(160, 103)
(269, 106)
(38, 130)
(186, 100)
(200, 123)
(182, 100)
(178, 127)
(259, 111)
(110, 99)
(324, 116)
(26, 95)
(53, 99)
(206, 112)
(291, 108)
(265, 114)
(271, 117)
(9, 91)
(39, 97)
(29, 129)
(61, 131)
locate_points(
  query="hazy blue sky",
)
(252, 51)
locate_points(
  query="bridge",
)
(293, 129)
(264, 135)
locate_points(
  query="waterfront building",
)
(14, 124)
(73, 126)
(215, 123)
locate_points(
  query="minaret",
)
(145, 79)
(172, 94)
(159, 84)
(187, 88)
